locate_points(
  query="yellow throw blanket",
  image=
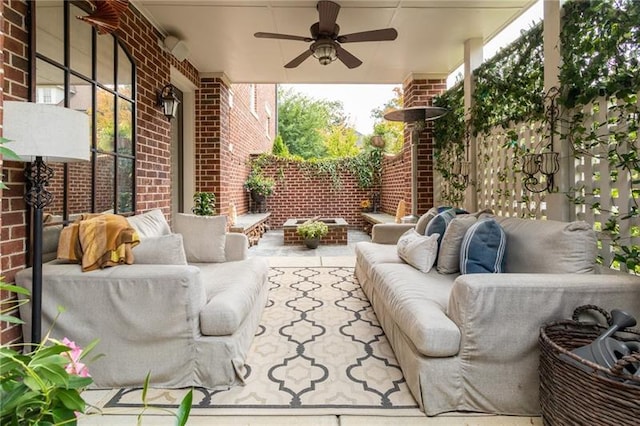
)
(98, 241)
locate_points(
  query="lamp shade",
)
(56, 134)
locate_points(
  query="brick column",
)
(209, 133)
(420, 91)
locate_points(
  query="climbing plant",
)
(509, 87)
(450, 136)
(600, 77)
(366, 167)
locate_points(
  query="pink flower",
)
(75, 366)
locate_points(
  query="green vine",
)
(449, 144)
(509, 87)
(366, 167)
(600, 61)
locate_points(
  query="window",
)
(77, 68)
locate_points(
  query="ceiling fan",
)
(326, 41)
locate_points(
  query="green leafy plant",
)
(204, 204)
(312, 229)
(259, 184)
(43, 386)
(7, 154)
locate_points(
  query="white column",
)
(472, 60)
(558, 206)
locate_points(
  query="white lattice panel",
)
(499, 177)
(608, 188)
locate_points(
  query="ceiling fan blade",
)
(385, 34)
(282, 37)
(347, 58)
(328, 12)
(299, 59)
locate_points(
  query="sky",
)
(359, 99)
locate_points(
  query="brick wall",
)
(153, 140)
(251, 131)
(228, 130)
(13, 218)
(300, 195)
(396, 176)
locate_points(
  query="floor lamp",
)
(418, 116)
(42, 132)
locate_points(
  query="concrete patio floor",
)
(271, 246)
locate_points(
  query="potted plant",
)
(259, 186)
(311, 231)
(204, 204)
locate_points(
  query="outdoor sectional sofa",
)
(187, 324)
(469, 342)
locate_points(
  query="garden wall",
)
(301, 193)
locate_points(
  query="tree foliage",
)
(303, 121)
(341, 141)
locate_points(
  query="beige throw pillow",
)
(421, 225)
(164, 250)
(204, 237)
(150, 224)
(449, 255)
(418, 250)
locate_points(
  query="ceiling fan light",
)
(325, 53)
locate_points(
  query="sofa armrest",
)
(236, 246)
(500, 316)
(389, 233)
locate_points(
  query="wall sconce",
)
(168, 100)
(460, 172)
(544, 163)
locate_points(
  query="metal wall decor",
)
(537, 166)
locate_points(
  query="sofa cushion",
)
(204, 237)
(418, 250)
(150, 224)
(423, 221)
(549, 246)
(163, 250)
(417, 303)
(370, 254)
(438, 225)
(482, 249)
(449, 255)
(232, 290)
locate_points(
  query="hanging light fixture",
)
(168, 100)
(324, 51)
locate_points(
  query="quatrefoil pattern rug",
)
(319, 350)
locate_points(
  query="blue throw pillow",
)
(439, 224)
(482, 249)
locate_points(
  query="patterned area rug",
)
(319, 350)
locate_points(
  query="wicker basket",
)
(572, 396)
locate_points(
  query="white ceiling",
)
(431, 35)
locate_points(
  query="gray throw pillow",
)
(423, 221)
(204, 237)
(449, 254)
(164, 250)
